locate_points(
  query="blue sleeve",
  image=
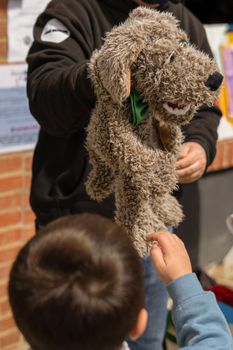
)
(199, 322)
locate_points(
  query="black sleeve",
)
(203, 127)
(60, 94)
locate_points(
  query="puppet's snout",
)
(214, 81)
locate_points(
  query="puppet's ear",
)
(143, 12)
(110, 66)
(159, 21)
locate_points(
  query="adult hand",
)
(191, 162)
(169, 256)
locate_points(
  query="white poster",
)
(216, 34)
(18, 129)
(22, 15)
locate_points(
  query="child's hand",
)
(169, 256)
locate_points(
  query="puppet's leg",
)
(134, 213)
(99, 184)
(167, 208)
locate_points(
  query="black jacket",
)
(61, 98)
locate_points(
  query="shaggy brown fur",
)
(151, 54)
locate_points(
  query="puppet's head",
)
(154, 57)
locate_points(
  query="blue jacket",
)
(199, 322)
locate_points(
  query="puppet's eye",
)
(184, 43)
(171, 57)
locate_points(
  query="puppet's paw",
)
(148, 224)
(143, 248)
(143, 229)
(138, 220)
(168, 210)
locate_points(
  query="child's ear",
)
(140, 325)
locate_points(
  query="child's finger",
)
(166, 241)
(157, 257)
(155, 235)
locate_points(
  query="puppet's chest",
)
(148, 131)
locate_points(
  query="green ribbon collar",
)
(139, 108)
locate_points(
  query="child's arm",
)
(199, 322)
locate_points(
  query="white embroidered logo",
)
(55, 31)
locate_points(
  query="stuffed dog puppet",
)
(149, 58)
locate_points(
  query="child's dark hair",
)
(77, 284)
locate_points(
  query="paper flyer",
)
(21, 16)
(216, 36)
(18, 129)
(223, 53)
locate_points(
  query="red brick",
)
(224, 156)
(28, 233)
(10, 218)
(8, 254)
(4, 272)
(7, 324)
(218, 161)
(3, 28)
(3, 51)
(11, 200)
(3, 14)
(27, 181)
(229, 155)
(25, 199)
(225, 153)
(9, 339)
(28, 162)
(220, 152)
(3, 4)
(29, 217)
(12, 183)
(3, 290)
(9, 236)
(10, 164)
(15, 346)
(4, 307)
(3, 9)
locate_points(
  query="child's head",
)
(77, 284)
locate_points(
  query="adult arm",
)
(59, 92)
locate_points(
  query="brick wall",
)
(16, 218)
(16, 226)
(224, 156)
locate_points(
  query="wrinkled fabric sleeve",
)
(59, 91)
(199, 321)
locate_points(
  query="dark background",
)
(212, 11)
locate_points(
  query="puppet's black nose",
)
(214, 81)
